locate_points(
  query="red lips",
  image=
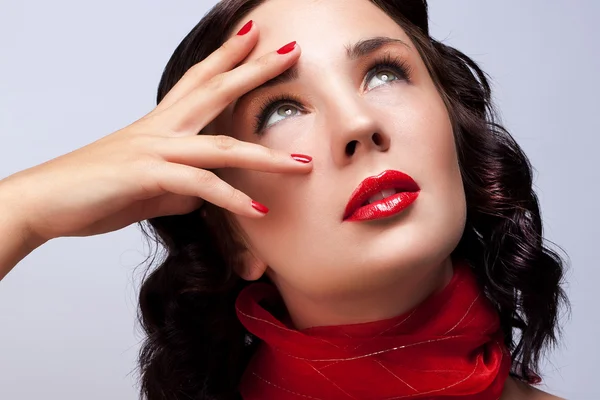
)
(389, 179)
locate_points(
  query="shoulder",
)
(517, 390)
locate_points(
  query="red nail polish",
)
(302, 158)
(287, 48)
(246, 28)
(259, 207)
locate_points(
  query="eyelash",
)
(272, 103)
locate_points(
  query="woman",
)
(350, 222)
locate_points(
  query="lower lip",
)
(384, 208)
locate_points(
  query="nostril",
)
(351, 147)
(377, 139)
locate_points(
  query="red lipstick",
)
(390, 192)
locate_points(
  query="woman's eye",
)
(281, 112)
(275, 109)
(280, 107)
(381, 77)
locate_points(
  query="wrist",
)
(14, 218)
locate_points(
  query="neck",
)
(365, 304)
(448, 345)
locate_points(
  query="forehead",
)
(321, 27)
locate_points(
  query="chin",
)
(412, 244)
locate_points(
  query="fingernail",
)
(287, 48)
(302, 158)
(246, 28)
(259, 207)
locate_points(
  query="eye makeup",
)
(399, 67)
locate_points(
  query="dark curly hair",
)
(195, 346)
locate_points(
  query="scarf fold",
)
(449, 346)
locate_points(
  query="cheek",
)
(423, 136)
(423, 143)
(418, 123)
(286, 197)
(438, 149)
(435, 157)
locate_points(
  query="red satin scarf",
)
(450, 346)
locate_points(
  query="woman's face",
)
(356, 120)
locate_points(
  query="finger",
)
(190, 181)
(209, 152)
(226, 57)
(194, 111)
(167, 204)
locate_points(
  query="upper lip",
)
(389, 179)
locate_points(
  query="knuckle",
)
(225, 87)
(215, 83)
(145, 171)
(235, 196)
(145, 163)
(197, 71)
(140, 147)
(206, 178)
(137, 141)
(273, 155)
(148, 126)
(227, 96)
(227, 47)
(264, 61)
(193, 69)
(224, 143)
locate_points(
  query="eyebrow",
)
(355, 51)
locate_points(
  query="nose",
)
(354, 128)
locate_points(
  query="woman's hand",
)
(157, 165)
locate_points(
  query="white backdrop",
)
(73, 71)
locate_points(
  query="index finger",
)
(226, 57)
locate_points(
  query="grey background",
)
(73, 71)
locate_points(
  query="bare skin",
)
(155, 166)
(158, 166)
(341, 103)
(514, 389)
